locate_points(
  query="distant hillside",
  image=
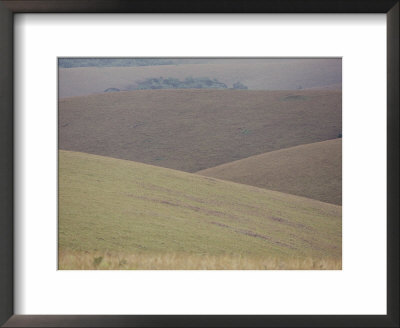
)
(172, 83)
(256, 74)
(111, 62)
(312, 170)
(191, 130)
(337, 86)
(111, 205)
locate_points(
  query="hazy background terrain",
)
(256, 74)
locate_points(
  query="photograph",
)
(199, 163)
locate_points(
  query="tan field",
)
(257, 74)
(191, 130)
(75, 260)
(312, 170)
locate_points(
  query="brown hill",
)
(312, 170)
(191, 130)
(257, 74)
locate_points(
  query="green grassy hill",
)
(112, 206)
(191, 130)
(313, 170)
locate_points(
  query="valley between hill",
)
(192, 130)
(312, 170)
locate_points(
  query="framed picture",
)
(181, 164)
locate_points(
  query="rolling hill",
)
(191, 130)
(257, 74)
(112, 205)
(312, 170)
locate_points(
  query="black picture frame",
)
(7, 10)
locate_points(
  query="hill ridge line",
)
(268, 152)
(310, 90)
(205, 177)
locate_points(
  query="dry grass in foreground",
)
(74, 260)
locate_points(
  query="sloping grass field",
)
(120, 214)
(192, 130)
(313, 170)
